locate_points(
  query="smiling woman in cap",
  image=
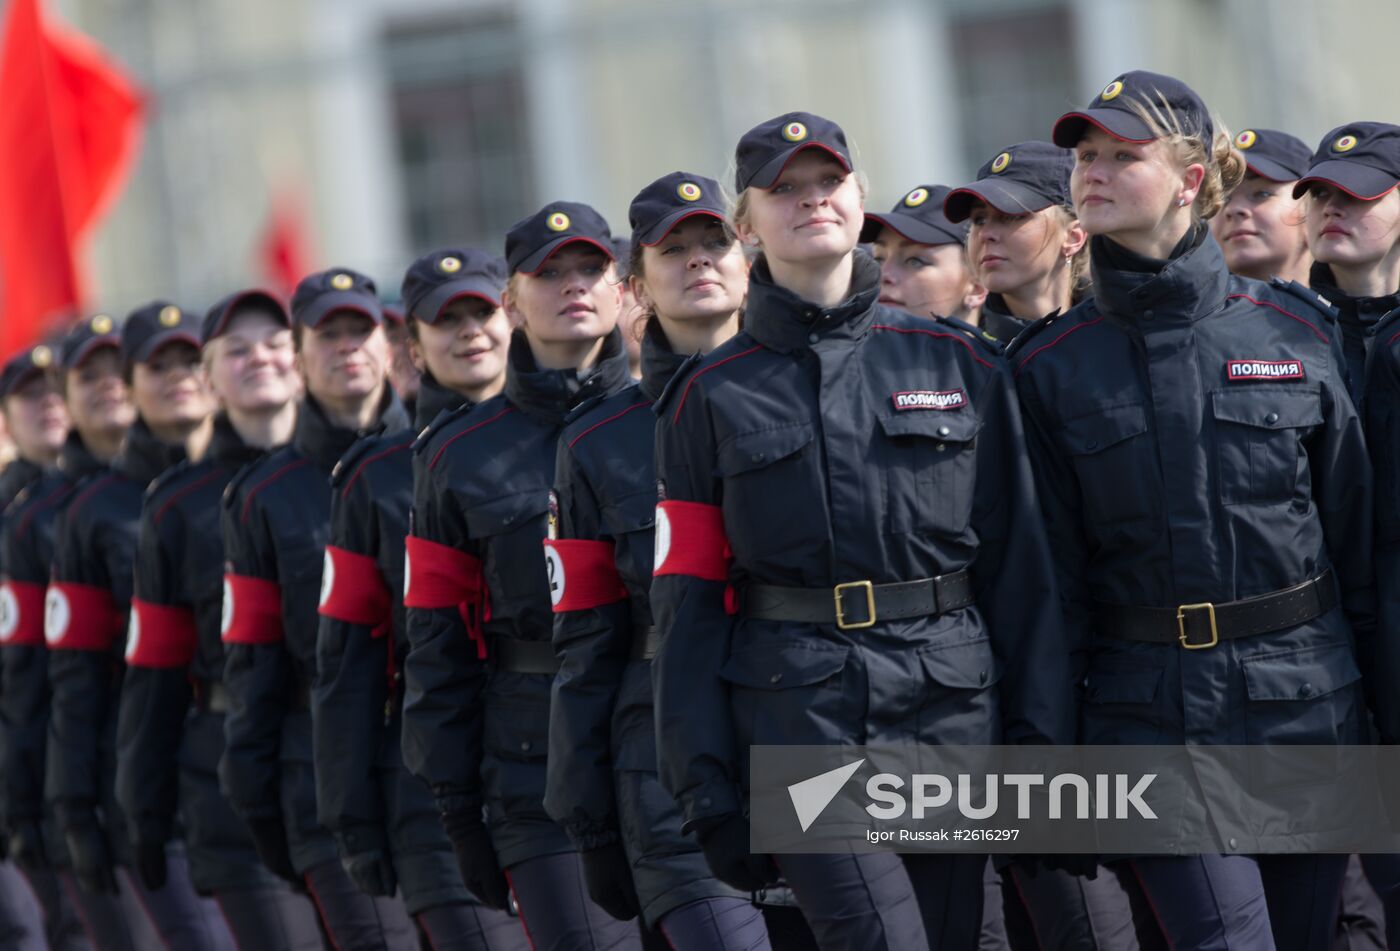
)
(813, 471)
(477, 588)
(923, 257)
(1260, 229)
(1025, 245)
(1264, 501)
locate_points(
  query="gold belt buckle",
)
(1181, 610)
(869, 589)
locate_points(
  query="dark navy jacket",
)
(1195, 442)
(1358, 321)
(482, 480)
(174, 655)
(26, 552)
(1381, 409)
(86, 612)
(276, 522)
(358, 691)
(847, 444)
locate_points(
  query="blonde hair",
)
(1224, 164)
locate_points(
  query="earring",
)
(1181, 203)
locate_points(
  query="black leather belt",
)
(1197, 626)
(644, 643)
(857, 604)
(524, 657)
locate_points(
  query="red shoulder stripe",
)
(702, 371)
(1030, 356)
(575, 441)
(443, 448)
(1263, 303)
(374, 458)
(248, 499)
(160, 513)
(935, 333)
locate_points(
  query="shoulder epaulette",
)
(171, 476)
(353, 455)
(1019, 342)
(1308, 296)
(680, 376)
(441, 420)
(235, 484)
(583, 408)
(976, 334)
(1388, 324)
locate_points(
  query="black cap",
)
(671, 199)
(918, 217)
(151, 327)
(530, 242)
(321, 294)
(1274, 155)
(1024, 177)
(87, 336)
(439, 277)
(765, 150)
(23, 367)
(1361, 158)
(1114, 110)
(216, 321)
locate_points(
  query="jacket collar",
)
(143, 456)
(998, 320)
(19, 473)
(1188, 287)
(75, 460)
(782, 321)
(550, 394)
(659, 362)
(432, 399)
(321, 441)
(1367, 310)
(227, 448)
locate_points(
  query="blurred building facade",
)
(394, 126)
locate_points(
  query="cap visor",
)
(909, 228)
(773, 169)
(88, 348)
(1070, 127)
(1007, 197)
(161, 340)
(265, 298)
(429, 309)
(1268, 168)
(325, 305)
(1359, 181)
(20, 379)
(658, 232)
(536, 261)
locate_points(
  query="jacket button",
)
(812, 338)
(982, 677)
(943, 430)
(706, 802)
(1271, 418)
(525, 746)
(756, 457)
(776, 678)
(1148, 314)
(1305, 691)
(1092, 444)
(1233, 844)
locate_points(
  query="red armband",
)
(690, 540)
(582, 574)
(80, 617)
(353, 590)
(252, 610)
(160, 635)
(440, 576)
(22, 614)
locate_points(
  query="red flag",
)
(68, 133)
(283, 257)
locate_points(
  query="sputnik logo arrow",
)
(811, 796)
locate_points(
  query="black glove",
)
(270, 839)
(92, 861)
(609, 877)
(1084, 866)
(149, 858)
(481, 872)
(372, 872)
(27, 844)
(725, 843)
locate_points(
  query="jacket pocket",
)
(511, 529)
(785, 694)
(1113, 458)
(931, 470)
(1259, 442)
(515, 742)
(959, 702)
(1122, 705)
(771, 482)
(1303, 696)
